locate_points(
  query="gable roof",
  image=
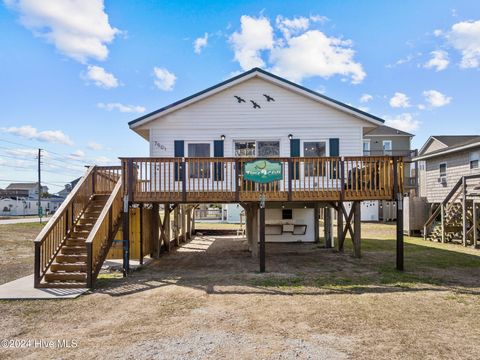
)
(255, 72)
(385, 130)
(452, 144)
(21, 186)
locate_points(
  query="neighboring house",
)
(385, 140)
(68, 188)
(24, 206)
(443, 160)
(449, 181)
(29, 190)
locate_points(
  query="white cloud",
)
(103, 160)
(436, 98)
(404, 60)
(366, 98)
(439, 60)
(200, 43)
(318, 18)
(121, 107)
(164, 79)
(294, 51)
(399, 100)
(437, 32)
(292, 26)
(315, 54)
(29, 132)
(465, 37)
(94, 146)
(404, 122)
(421, 107)
(256, 35)
(78, 154)
(79, 29)
(101, 78)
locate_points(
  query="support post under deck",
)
(262, 239)
(340, 237)
(399, 205)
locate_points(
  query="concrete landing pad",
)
(22, 289)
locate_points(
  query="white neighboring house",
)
(258, 114)
(25, 207)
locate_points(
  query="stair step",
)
(64, 258)
(80, 234)
(75, 242)
(73, 250)
(67, 276)
(69, 267)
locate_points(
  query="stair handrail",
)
(56, 230)
(101, 236)
(447, 199)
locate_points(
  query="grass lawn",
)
(207, 300)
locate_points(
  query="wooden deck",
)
(197, 180)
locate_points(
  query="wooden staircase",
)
(71, 248)
(457, 218)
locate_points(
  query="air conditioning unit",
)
(442, 180)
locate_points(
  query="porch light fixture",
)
(290, 136)
(222, 137)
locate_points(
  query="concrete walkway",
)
(22, 289)
(23, 220)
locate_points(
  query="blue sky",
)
(73, 73)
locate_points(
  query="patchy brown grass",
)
(207, 300)
(16, 250)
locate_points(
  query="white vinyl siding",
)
(290, 113)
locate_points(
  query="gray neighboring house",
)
(443, 160)
(385, 140)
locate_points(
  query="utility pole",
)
(40, 211)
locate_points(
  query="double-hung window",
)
(387, 147)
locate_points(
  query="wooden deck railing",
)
(221, 179)
(97, 180)
(100, 238)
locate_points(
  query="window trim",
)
(234, 141)
(387, 152)
(302, 152)
(366, 141)
(439, 170)
(205, 142)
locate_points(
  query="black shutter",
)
(218, 166)
(295, 152)
(334, 145)
(179, 151)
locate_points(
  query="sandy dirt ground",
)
(206, 300)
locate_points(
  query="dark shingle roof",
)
(21, 186)
(457, 140)
(454, 143)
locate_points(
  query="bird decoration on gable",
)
(269, 98)
(239, 99)
(255, 105)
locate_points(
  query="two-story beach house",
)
(280, 150)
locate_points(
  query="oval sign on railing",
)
(262, 171)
